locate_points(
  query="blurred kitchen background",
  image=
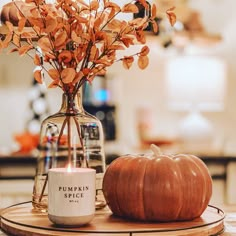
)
(184, 101)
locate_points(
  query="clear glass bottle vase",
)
(70, 137)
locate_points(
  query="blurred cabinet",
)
(223, 172)
(16, 179)
(17, 167)
(230, 185)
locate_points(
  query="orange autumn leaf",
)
(130, 8)
(127, 41)
(9, 26)
(21, 24)
(98, 21)
(154, 11)
(138, 22)
(38, 76)
(78, 77)
(27, 35)
(112, 5)
(171, 15)
(36, 22)
(99, 70)
(65, 56)
(127, 62)
(144, 51)
(144, 3)
(54, 74)
(49, 56)
(172, 18)
(94, 5)
(112, 13)
(51, 24)
(75, 37)
(44, 44)
(34, 12)
(37, 60)
(16, 40)
(86, 71)
(114, 25)
(154, 26)
(81, 19)
(67, 75)
(143, 62)
(24, 49)
(54, 83)
(140, 36)
(7, 40)
(60, 39)
(94, 53)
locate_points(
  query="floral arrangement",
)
(79, 39)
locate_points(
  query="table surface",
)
(230, 221)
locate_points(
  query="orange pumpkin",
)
(157, 187)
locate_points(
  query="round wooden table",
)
(21, 220)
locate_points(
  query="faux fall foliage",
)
(78, 38)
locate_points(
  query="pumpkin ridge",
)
(200, 210)
(117, 202)
(138, 211)
(180, 180)
(193, 161)
(107, 181)
(186, 204)
(144, 207)
(205, 173)
(119, 183)
(159, 211)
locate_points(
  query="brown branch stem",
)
(69, 140)
(58, 142)
(85, 161)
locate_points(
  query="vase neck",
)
(72, 103)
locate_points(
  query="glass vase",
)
(71, 137)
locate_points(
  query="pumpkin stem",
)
(156, 150)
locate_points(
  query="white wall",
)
(16, 76)
(219, 17)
